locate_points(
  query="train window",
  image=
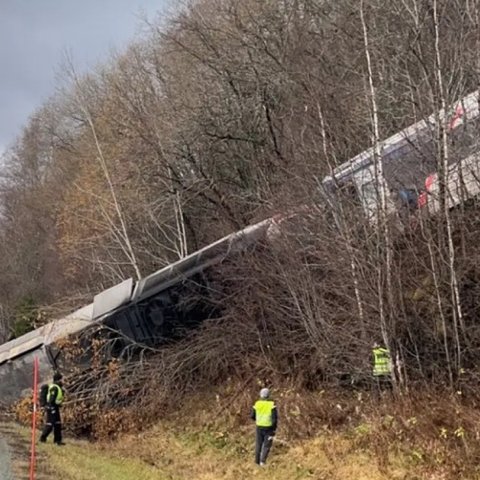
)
(347, 192)
(408, 198)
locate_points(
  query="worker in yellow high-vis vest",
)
(52, 411)
(265, 414)
(382, 366)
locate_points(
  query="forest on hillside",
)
(223, 114)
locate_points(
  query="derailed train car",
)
(146, 312)
(409, 160)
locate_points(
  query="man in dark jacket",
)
(264, 412)
(53, 420)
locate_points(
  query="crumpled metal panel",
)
(16, 377)
(23, 344)
(112, 298)
(73, 323)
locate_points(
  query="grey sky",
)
(35, 34)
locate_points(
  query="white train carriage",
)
(407, 158)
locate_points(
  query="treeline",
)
(221, 115)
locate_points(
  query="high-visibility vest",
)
(59, 398)
(381, 362)
(263, 412)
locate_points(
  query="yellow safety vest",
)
(59, 398)
(263, 412)
(381, 362)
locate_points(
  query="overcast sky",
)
(34, 36)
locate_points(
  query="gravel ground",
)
(5, 461)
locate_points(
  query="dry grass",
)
(209, 437)
(322, 436)
(215, 455)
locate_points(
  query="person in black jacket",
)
(53, 419)
(265, 414)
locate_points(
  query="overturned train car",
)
(146, 312)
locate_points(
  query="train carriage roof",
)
(108, 301)
(466, 108)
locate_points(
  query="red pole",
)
(34, 418)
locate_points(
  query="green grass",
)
(83, 461)
(80, 460)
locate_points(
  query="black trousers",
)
(264, 440)
(53, 422)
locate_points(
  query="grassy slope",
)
(162, 454)
(83, 461)
(204, 449)
(169, 453)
